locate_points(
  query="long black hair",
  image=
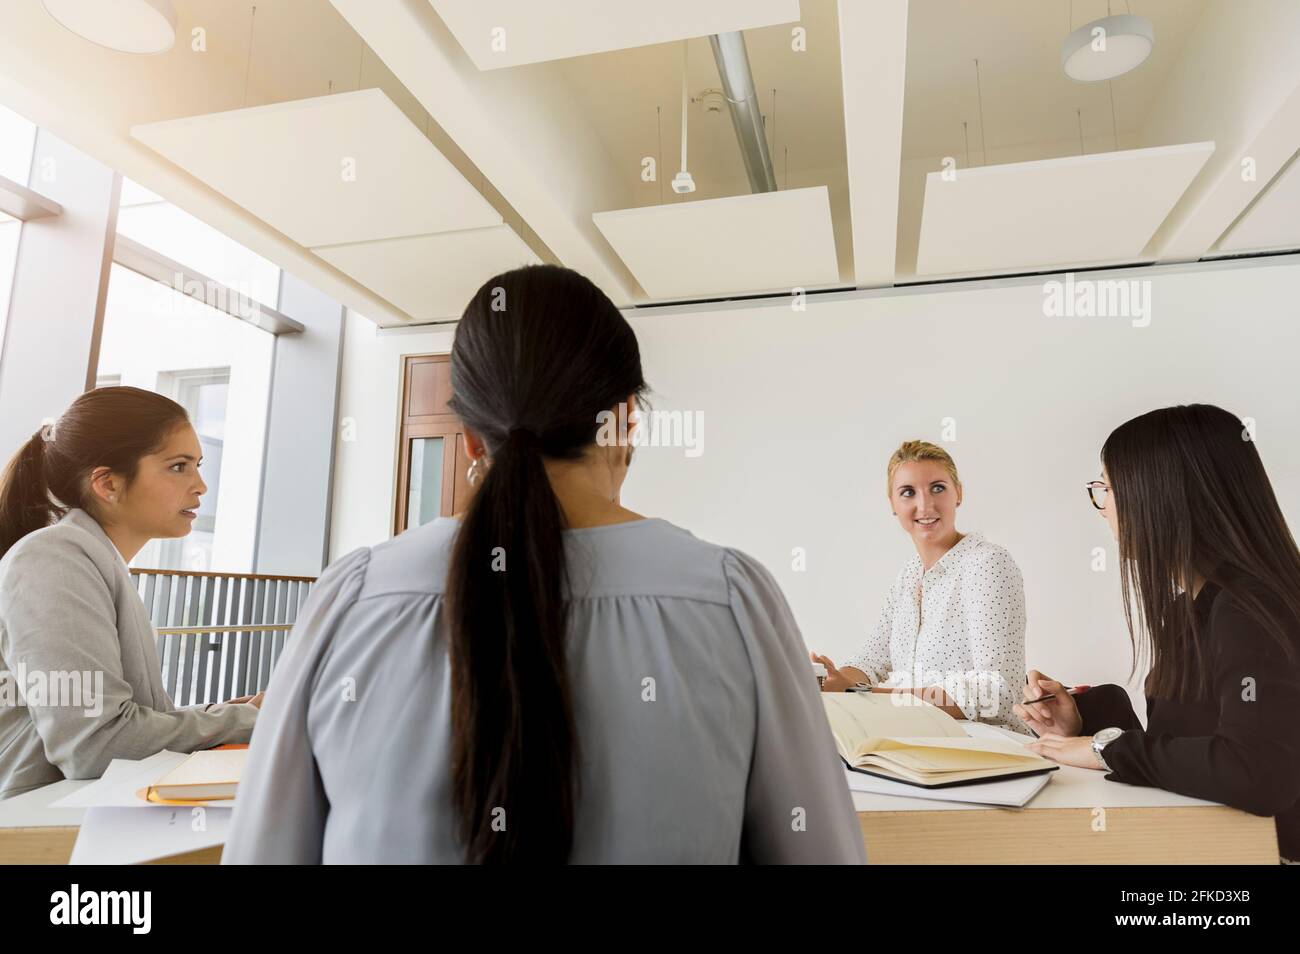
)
(539, 353)
(1194, 501)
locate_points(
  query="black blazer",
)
(1240, 745)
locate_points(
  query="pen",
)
(1070, 690)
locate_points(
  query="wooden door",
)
(431, 455)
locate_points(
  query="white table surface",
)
(1070, 787)
(32, 809)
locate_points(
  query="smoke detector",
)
(713, 101)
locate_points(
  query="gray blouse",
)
(80, 680)
(702, 734)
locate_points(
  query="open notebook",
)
(920, 744)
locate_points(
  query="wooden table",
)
(1063, 825)
(1079, 818)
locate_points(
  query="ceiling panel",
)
(499, 33)
(1274, 219)
(325, 171)
(431, 277)
(1078, 210)
(748, 243)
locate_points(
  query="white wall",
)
(297, 469)
(365, 455)
(802, 410)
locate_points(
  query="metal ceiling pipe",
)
(738, 86)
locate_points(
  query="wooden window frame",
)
(412, 427)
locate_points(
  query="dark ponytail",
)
(25, 503)
(538, 354)
(106, 427)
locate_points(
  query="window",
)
(219, 369)
(17, 145)
(152, 221)
(9, 229)
(203, 393)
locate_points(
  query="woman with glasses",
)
(953, 626)
(1213, 572)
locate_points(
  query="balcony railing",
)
(219, 634)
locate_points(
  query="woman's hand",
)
(1073, 750)
(836, 680)
(1058, 716)
(250, 700)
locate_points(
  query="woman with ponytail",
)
(551, 677)
(77, 502)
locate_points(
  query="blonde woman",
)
(953, 627)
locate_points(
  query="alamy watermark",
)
(653, 429)
(238, 300)
(979, 687)
(75, 689)
(1098, 298)
(133, 909)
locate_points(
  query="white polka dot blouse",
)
(959, 625)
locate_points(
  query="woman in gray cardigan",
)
(551, 677)
(80, 681)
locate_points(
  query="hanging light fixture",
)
(1107, 48)
(127, 26)
(682, 182)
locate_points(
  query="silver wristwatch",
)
(1102, 739)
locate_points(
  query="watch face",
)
(1108, 735)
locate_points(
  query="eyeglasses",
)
(1097, 493)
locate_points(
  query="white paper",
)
(1010, 793)
(121, 781)
(982, 730)
(128, 836)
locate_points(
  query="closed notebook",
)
(919, 744)
(210, 775)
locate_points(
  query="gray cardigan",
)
(702, 736)
(68, 613)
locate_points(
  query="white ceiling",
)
(1026, 99)
(1273, 221)
(632, 99)
(432, 277)
(546, 145)
(503, 33)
